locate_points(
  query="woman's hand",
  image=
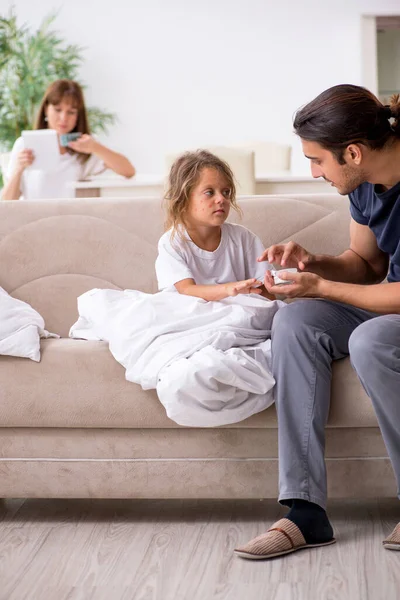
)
(85, 144)
(304, 285)
(249, 286)
(112, 160)
(287, 255)
(24, 159)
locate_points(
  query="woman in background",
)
(63, 110)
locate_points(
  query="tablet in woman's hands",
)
(44, 145)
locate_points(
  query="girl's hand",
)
(249, 286)
(287, 255)
(24, 159)
(268, 281)
(305, 285)
(85, 144)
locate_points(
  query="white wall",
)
(185, 73)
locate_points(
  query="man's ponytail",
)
(394, 104)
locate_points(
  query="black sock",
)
(312, 521)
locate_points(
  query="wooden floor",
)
(182, 550)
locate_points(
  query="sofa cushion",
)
(79, 384)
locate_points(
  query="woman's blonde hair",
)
(68, 91)
(184, 176)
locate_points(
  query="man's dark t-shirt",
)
(381, 212)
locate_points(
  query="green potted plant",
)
(29, 62)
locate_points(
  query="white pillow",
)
(21, 328)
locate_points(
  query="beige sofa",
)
(72, 426)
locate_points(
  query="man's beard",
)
(352, 179)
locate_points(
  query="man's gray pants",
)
(306, 336)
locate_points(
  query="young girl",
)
(200, 254)
(62, 109)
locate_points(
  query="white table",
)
(114, 186)
(142, 186)
(288, 183)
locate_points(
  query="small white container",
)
(278, 280)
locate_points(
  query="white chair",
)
(240, 160)
(270, 157)
(4, 162)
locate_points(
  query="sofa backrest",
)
(53, 251)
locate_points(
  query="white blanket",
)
(208, 361)
(21, 328)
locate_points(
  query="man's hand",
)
(249, 286)
(305, 285)
(287, 255)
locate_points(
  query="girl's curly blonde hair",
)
(183, 177)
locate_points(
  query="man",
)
(352, 141)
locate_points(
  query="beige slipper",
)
(282, 538)
(392, 542)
